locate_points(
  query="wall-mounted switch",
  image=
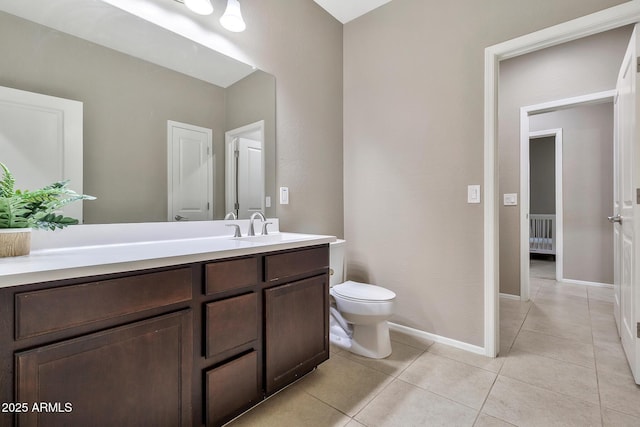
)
(473, 194)
(267, 202)
(510, 199)
(284, 195)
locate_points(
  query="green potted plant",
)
(21, 211)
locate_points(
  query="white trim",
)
(510, 296)
(525, 113)
(437, 338)
(608, 19)
(230, 165)
(585, 283)
(525, 178)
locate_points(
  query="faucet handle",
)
(237, 231)
(264, 228)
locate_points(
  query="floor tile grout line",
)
(595, 362)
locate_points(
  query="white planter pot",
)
(15, 241)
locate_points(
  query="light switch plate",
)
(473, 194)
(511, 199)
(267, 202)
(284, 195)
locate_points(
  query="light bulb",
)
(232, 18)
(201, 7)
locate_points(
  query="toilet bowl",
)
(359, 311)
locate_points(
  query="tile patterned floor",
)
(561, 364)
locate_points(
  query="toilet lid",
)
(363, 291)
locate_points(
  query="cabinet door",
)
(296, 330)
(232, 388)
(134, 375)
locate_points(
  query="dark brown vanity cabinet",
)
(232, 338)
(187, 345)
(127, 376)
(112, 351)
(296, 318)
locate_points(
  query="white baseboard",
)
(583, 282)
(437, 338)
(510, 296)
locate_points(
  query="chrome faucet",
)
(253, 217)
(230, 215)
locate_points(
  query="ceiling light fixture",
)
(232, 18)
(201, 7)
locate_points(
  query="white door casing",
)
(525, 179)
(250, 177)
(245, 170)
(626, 198)
(604, 20)
(190, 172)
(41, 141)
(525, 135)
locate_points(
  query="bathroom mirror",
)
(129, 97)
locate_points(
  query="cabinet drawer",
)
(295, 263)
(233, 274)
(231, 323)
(50, 310)
(231, 388)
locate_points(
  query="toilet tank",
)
(336, 262)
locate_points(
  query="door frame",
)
(525, 136)
(608, 19)
(171, 124)
(68, 114)
(525, 195)
(230, 166)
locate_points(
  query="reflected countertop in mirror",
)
(127, 102)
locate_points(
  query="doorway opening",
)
(615, 17)
(245, 170)
(541, 232)
(545, 208)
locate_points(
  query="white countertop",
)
(89, 260)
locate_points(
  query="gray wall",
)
(587, 188)
(542, 169)
(578, 68)
(413, 141)
(301, 44)
(250, 100)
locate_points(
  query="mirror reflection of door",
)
(245, 170)
(190, 172)
(41, 141)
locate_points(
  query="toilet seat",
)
(363, 292)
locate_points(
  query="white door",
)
(244, 171)
(190, 172)
(627, 196)
(250, 177)
(41, 141)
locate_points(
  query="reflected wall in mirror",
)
(127, 104)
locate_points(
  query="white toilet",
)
(358, 321)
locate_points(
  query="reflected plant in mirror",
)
(35, 208)
(126, 102)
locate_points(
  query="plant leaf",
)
(7, 183)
